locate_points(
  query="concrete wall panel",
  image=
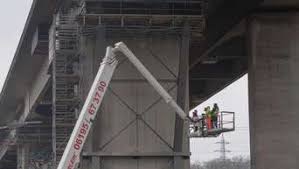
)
(133, 119)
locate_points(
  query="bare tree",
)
(197, 165)
(234, 163)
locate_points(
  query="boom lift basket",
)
(225, 123)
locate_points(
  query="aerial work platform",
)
(225, 123)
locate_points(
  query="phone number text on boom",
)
(91, 111)
(84, 128)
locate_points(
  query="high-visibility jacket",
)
(213, 113)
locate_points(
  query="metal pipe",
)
(120, 46)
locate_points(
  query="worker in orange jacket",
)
(208, 117)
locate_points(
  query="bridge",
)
(194, 48)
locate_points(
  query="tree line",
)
(233, 163)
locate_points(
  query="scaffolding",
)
(145, 17)
(65, 80)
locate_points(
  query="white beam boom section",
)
(71, 155)
(150, 78)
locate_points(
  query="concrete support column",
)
(181, 139)
(23, 156)
(273, 90)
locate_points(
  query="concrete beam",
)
(219, 23)
(136, 154)
(33, 94)
(235, 34)
(181, 141)
(220, 67)
(37, 89)
(225, 70)
(24, 66)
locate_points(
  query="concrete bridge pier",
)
(273, 90)
(135, 128)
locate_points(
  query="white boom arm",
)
(71, 155)
(150, 78)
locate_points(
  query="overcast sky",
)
(13, 16)
(233, 98)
